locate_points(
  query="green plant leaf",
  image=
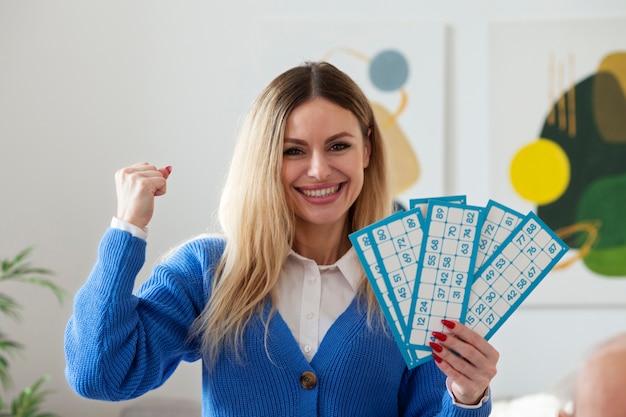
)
(18, 269)
(29, 401)
(9, 307)
(58, 291)
(18, 266)
(9, 264)
(26, 269)
(5, 377)
(9, 346)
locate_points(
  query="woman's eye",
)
(292, 151)
(339, 146)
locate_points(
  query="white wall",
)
(88, 87)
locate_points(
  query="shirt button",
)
(308, 380)
(307, 348)
(312, 281)
(309, 315)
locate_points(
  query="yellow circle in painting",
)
(540, 171)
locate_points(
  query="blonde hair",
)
(253, 212)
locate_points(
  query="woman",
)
(277, 307)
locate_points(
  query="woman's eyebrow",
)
(329, 139)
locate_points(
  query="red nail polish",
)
(436, 347)
(449, 324)
(440, 336)
(437, 358)
(169, 168)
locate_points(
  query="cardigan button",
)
(308, 380)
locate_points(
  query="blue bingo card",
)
(498, 224)
(511, 273)
(446, 259)
(422, 203)
(389, 251)
(445, 269)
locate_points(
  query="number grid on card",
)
(445, 269)
(499, 222)
(511, 273)
(390, 251)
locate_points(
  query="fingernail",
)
(440, 336)
(435, 346)
(169, 168)
(437, 358)
(449, 324)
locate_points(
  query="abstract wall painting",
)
(558, 146)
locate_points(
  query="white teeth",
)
(320, 193)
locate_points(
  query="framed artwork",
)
(400, 67)
(558, 146)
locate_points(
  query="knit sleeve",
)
(119, 345)
(424, 393)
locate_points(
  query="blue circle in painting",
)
(389, 70)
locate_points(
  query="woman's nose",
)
(319, 167)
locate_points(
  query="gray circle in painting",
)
(389, 70)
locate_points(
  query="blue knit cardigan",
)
(119, 346)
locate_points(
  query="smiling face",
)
(324, 158)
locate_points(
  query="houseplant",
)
(28, 401)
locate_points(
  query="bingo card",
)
(445, 269)
(389, 251)
(511, 273)
(446, 259)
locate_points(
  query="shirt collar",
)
(349, 266)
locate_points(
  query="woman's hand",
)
(467, 359)
(136, 187)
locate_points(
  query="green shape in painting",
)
(604, 201)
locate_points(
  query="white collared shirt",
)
(310, 297)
